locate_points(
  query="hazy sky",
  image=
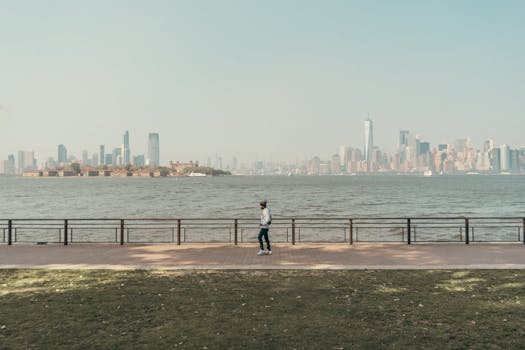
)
(258, 78)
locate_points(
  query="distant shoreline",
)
(254, 175)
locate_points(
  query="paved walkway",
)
(285, 256)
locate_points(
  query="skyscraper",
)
(116, 156)
(139, 160)
(461, 145)
(369, 141)
(62, 154)
(85, 157)
(102, 155)
(125, 151)
(488, 145)
(403, 144)
(21, 162)
(442, 147)
(153, 150)
(424, 148)
(514, 160)
(9, 165)
(496, 160)
(343, 156)
(94, 159)
(403, 138)
(30, 161)
(505, 158)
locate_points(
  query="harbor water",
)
(238, 197)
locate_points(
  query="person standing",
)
(266, 221)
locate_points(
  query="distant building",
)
(94, 160)
(402, 146)
(495, 160)
(343, 155)
(117, 159)
(314, 166)
(9, 165)
(50, 163)
(30, 161)
(21, 163)
(179, 167)
(153, 150)
(424, 148)
(108, 159)
(504, 158)
(102, 155)
(32, 173)
(85, 158)
(335, 165)
(62, 154)
(461, 145)
(483, 161)
(488, 145)
(125, 151)
(139, 160)
(514, 160)
(325, 168)
(369, 141)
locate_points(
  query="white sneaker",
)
(269, 252)
(261, 252)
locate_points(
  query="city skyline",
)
(219, 77)
(413, 155)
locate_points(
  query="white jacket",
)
(266, 217)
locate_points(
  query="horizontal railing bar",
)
(274, 219)
(311, 224)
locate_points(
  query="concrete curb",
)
(267, 267)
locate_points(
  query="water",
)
(332, 196)
(239, 196)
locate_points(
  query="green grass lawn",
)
(49, 309)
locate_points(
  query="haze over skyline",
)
(258, 79)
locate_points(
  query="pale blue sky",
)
(258, 78)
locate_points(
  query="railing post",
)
(235, 231)
(122, 232)
(351, 238)
(467, 238)
(65, 232)
(10, 232)
(523, 231)
(293, 231)
(409, 230)
(178, 231)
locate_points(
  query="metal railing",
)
(240, 230)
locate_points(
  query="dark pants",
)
(264, 233)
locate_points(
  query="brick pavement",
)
(286, 256)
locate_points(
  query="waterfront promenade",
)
(285, 256)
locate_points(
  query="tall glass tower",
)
(504, 157)
(153, 149)
(369, 141)
(102, 155)
(125, 151)
(403, 144)
(62, 154)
